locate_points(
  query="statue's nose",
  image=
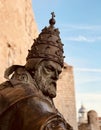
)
(56, 75)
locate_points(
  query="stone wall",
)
(17, 31)
(65, 100)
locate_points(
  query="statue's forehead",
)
(52, 63)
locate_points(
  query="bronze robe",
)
(23, 107)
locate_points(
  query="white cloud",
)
(82, 38)
(88, 70)
(81, 27)
(86, 75)
(84, 33)
(81, 81)
(89, 96)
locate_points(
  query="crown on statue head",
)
(48, 45)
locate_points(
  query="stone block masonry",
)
(65, 100)
(17, 31)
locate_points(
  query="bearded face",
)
(46, 76)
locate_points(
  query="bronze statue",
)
(26, 98)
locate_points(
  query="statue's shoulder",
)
(10, 94)
(5, 84)
(19, 86)
(56, 122)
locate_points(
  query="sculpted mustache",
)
(50, 82)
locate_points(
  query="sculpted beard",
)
(50, 88)
(47, 86)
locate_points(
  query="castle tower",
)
(17, 31)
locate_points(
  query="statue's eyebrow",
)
(50, 67)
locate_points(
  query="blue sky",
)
(79, 22)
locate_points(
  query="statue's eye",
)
(23, 77)
(49, 68)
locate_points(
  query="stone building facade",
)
(92, 122)
(17, 31)
(99, 121)
(65, 100)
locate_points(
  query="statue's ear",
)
(10, 70)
